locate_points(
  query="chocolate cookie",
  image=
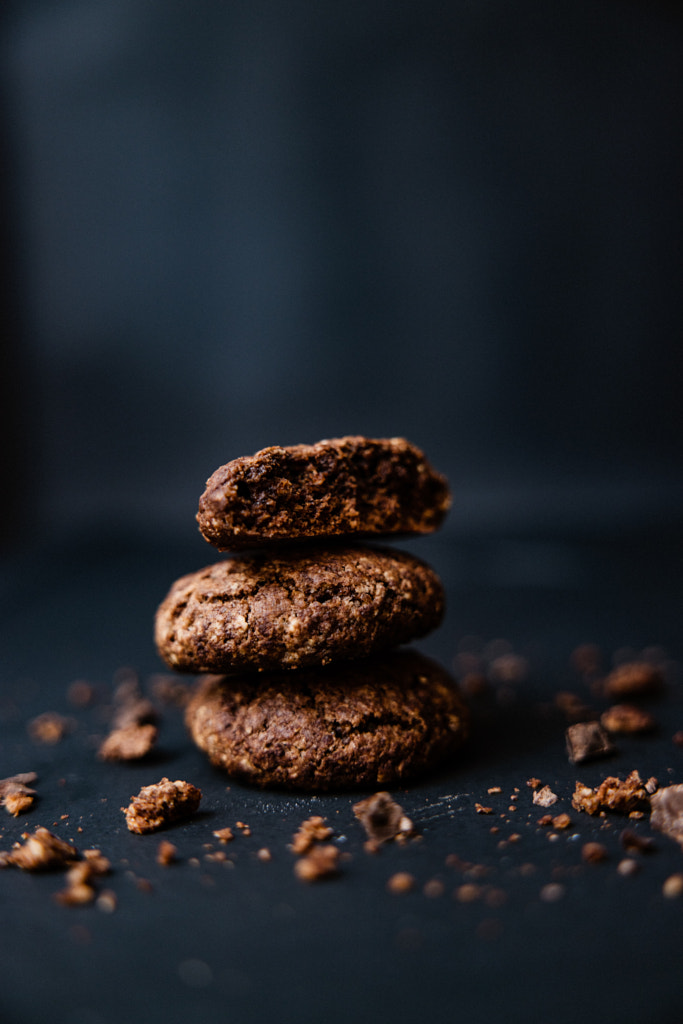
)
(349, 486)
(374, 722)
(296, 608)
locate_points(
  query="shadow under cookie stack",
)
(297, 633)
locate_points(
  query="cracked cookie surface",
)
(343, 487)
(296, 608)
(379, 721)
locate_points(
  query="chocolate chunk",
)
(587, 741)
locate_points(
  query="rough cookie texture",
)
(161, 804)
(382, 720)
(349, 486)
(303, 607)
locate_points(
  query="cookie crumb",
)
(160, 804)
(264, 854)
(594, 853)
(544, 797)
(42, 851)
(667, 811)
(433, 888)
(480, 809)
(627, 718)
(587, 741)
(224, 835)
(318, 863)
(632, 842)
(673, 887)
(50, 728)
(383, 819)
(106, 901)
(533, 783)
(313, 830)
(15, 793)
(401, 882)
(552, 892)
(167, 853)
(129, 743)
(628, 867)
(634, 679)
(468, 893)
(613, 794)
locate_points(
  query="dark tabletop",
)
(243, 939)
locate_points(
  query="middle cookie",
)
(297, 608)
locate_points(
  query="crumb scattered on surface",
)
(587, 741)
(613, 794)
(634, 679)
(627, 718)
(673, 887)
(167, 853)
(628, 867)
(224, 835)
(480, 809)
(264, 854)
(318, 863)
(313, 830)
(401, 882)
(42, 851)
(128, 743)
(15, 793)
(161, 804)
(594, 853)
(552, 892)
(383, 819)
(434, 888)
(633, 842)
(667, 811)
(50, 727)
(544, 797)
(81, 694)
(533, 783)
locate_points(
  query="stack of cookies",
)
(300, 627)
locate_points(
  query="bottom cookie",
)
(373, 722)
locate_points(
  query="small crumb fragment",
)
(552, 892)
(628, 867)
(50, 727)
(42, 851)
(634, 843)
(383, 819)
(167, 853)
(544, 797)
(320, 862)
(561, 821)
(313, 830)
(80, 694)
(627, 718)
(613, 794)
(587, 741)
(480, 809)
(264, 854)
(468, 893)
(533, 783)
(634, 679)
(494, 789)
(667, 811)
(401, 882)
(129, 743)
(593, 853)
(433, 888)
(224, 835)
(106, 901)
(243, 827)
(673, 887)
(161, 804)
(16, 794)
(508, 668)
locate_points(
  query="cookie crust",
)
(296, 608)
(384, 720)
(343, 487)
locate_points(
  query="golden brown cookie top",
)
(342, 487)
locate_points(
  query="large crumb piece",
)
(313, 830)
(587, 741)
(613, 794)
(50, 727)
(43, 851)
(383, 819)
(634, 679)
(544, 797)
(667, 812)
(320, 862)
(626, 718)
(128, 743)
(15, 793)
(160, 804)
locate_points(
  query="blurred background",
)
(234, 225)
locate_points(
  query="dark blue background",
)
(233, 225)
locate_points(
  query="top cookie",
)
(348, 486)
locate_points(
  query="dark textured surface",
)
(250, 942)
(379, 721)
(297, 607)
(350, 486)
